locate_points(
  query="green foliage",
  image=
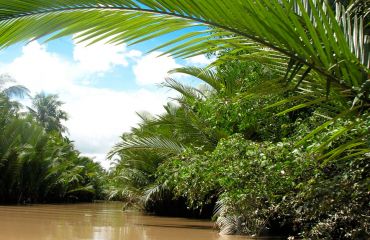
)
(279, 179)
(47, 111)
(250, 179)
(333, 201)
(37, 166)
(271, 187)
(272, 171)
(243, 115)
(13, 90)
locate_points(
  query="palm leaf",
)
(206, 75)
(154, 143)
(186, 91)
(315, 39)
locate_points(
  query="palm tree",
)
(47, 111)
(8, 91)
(13, 90)
(319, 47)
(138, 156)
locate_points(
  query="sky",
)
(102, 85)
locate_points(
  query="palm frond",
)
(309, 31)
(16, 91)
(206, 75)
(186, 91)
(155, 193)
(152, 143)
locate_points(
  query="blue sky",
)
(102, 85)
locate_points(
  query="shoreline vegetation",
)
(274, 141)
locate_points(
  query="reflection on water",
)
(99, 221)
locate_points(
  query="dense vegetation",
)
(38, 163)
(277, 137)
(227, 147)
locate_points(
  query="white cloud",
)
(152, 68)
(99, 116)
(101, 57)
(39, 69)
(200, 60)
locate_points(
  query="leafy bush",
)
(251, 179)
(333, 203)
(274, 188)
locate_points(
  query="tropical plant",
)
(46, 109)
(156, 139)
(9, 91)
(37, 166)
(12, 90)
(230, 104)
(139, 155)
(275, 188)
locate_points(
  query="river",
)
(98, 221)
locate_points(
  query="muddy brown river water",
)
(98, 221)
